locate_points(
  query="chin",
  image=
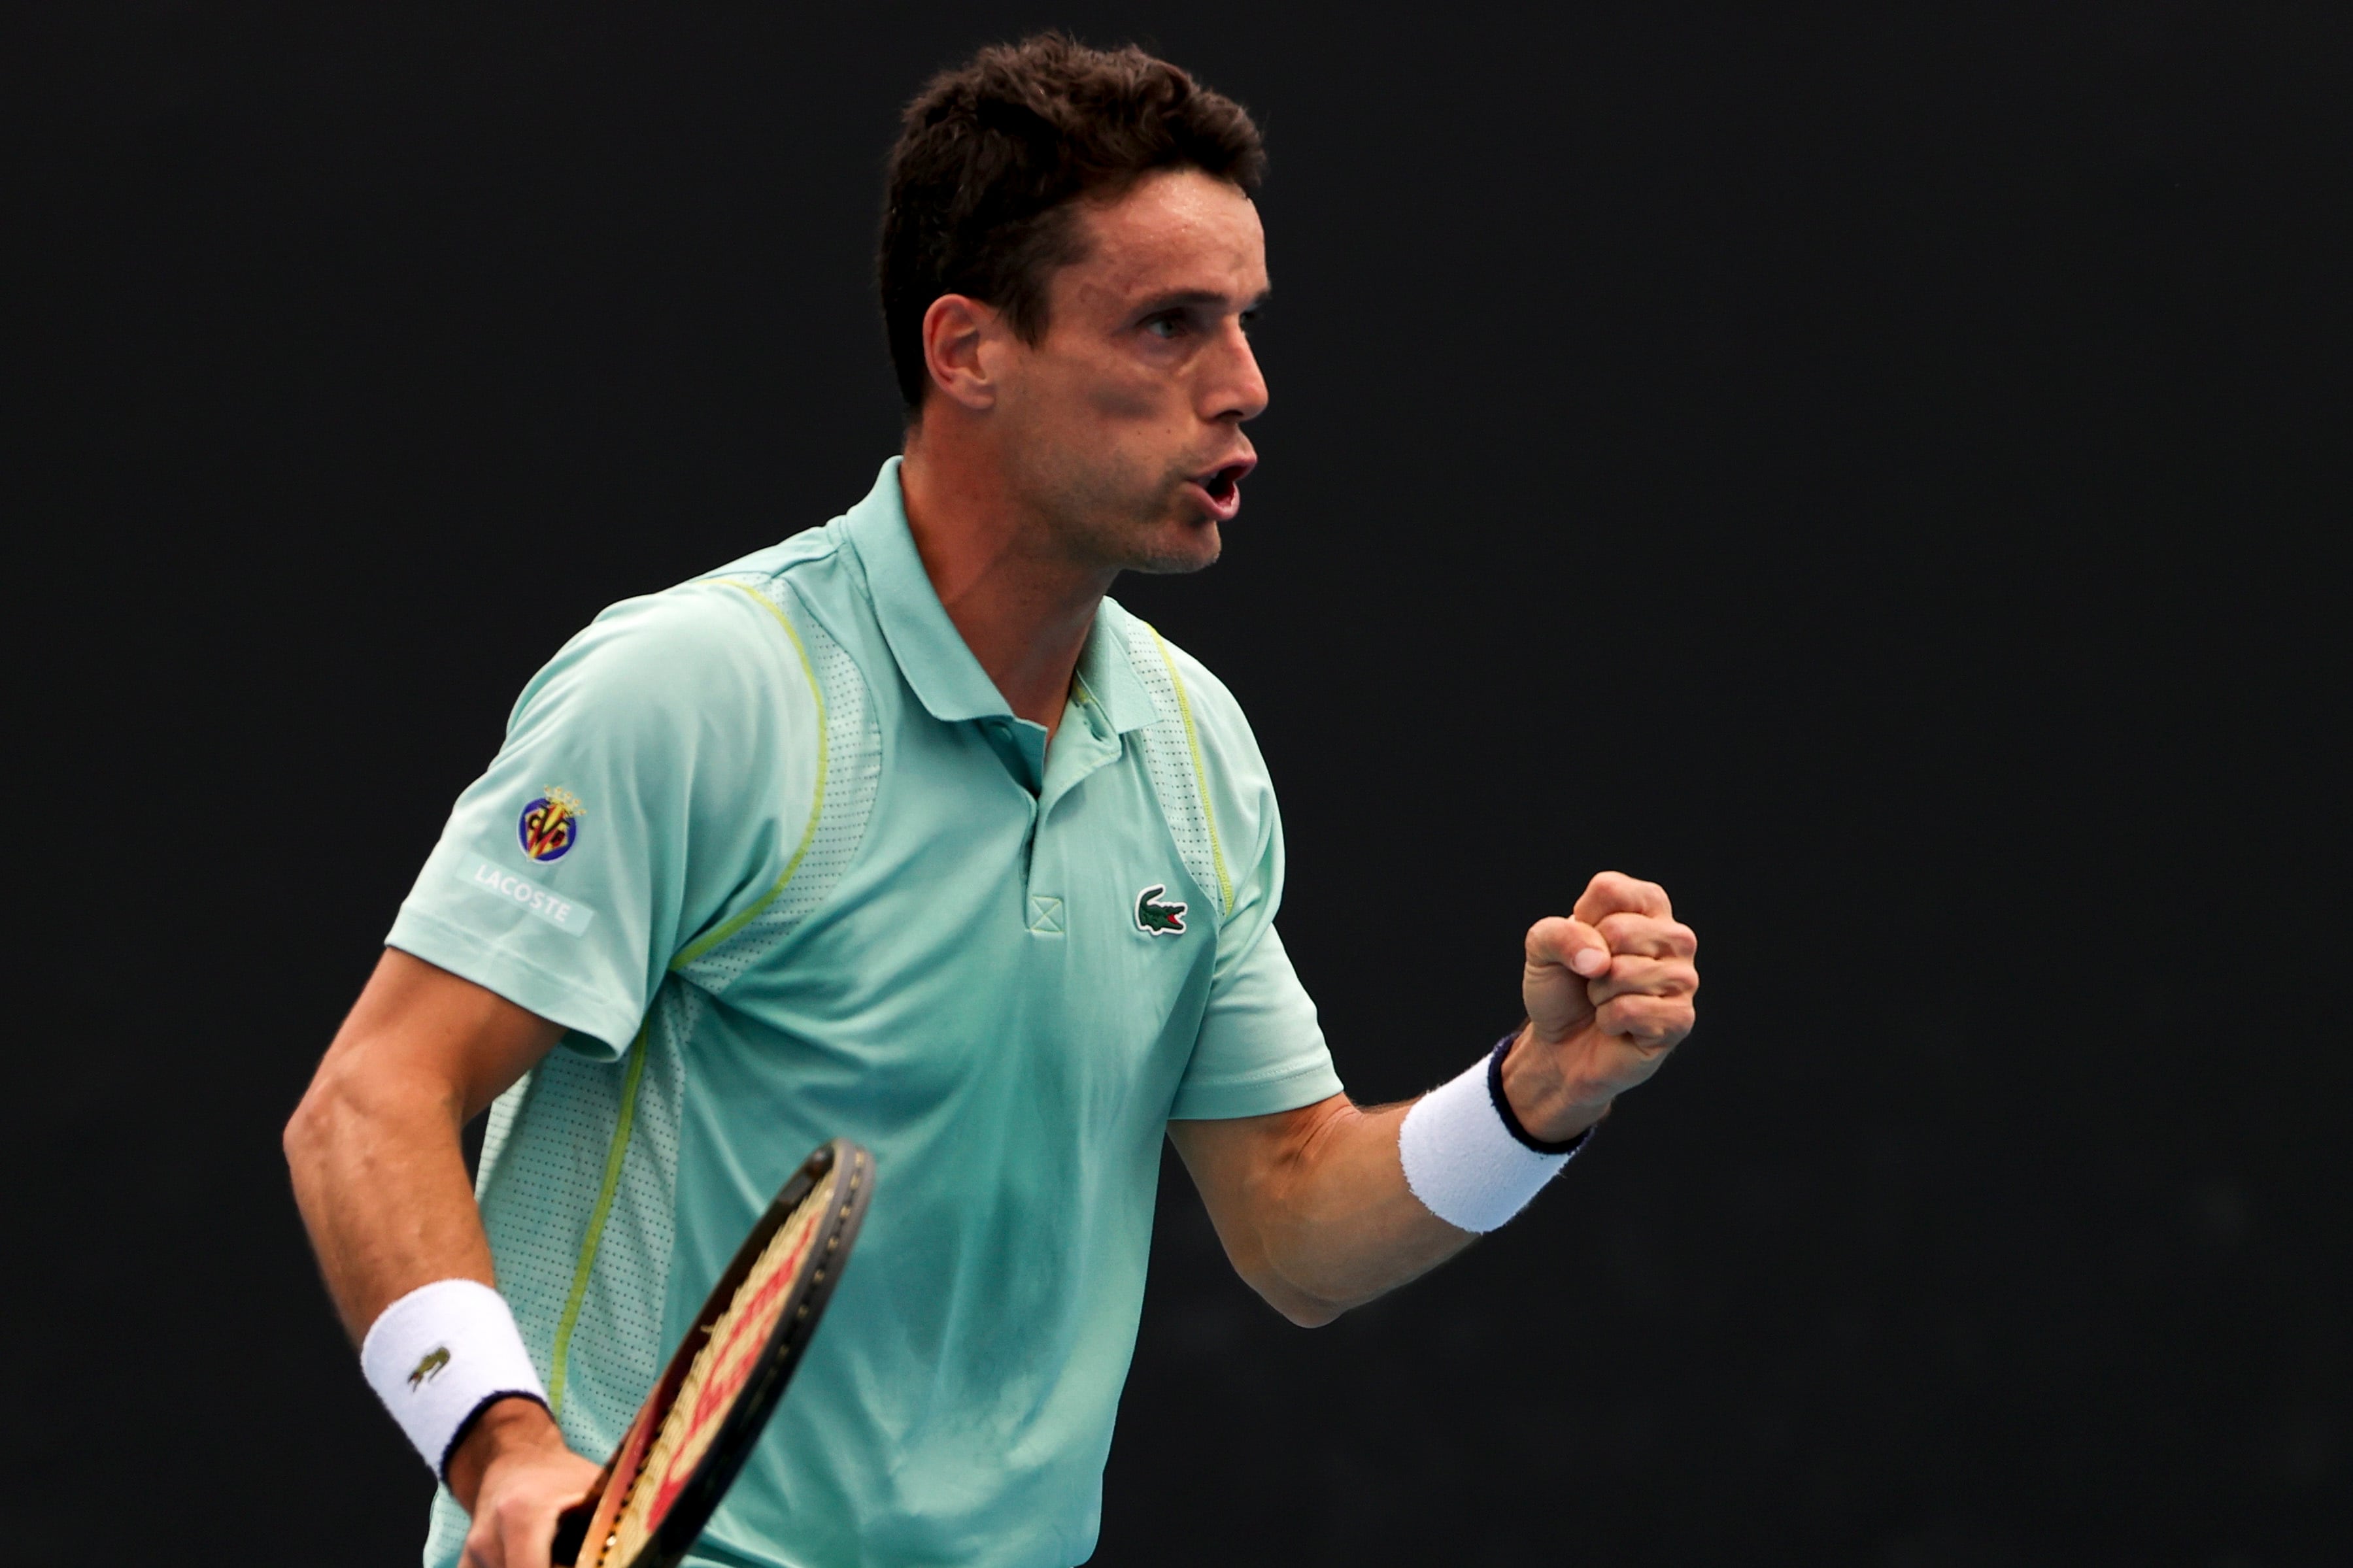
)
(1176, 549)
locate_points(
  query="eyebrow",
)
(1185, 296)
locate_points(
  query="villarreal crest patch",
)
(550, 825)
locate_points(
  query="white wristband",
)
(1466, 1157)
(439, 1355)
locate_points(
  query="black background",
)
(1872, 470)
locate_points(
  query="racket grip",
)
(572, 1531)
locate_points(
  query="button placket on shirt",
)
(1100, 745)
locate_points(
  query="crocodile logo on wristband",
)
(430, 1367)
(440, 1356)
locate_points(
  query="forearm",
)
(381, 1181)
(380, 1178)
(1323, 1221)
(373, 1149)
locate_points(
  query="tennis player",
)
(902, 830)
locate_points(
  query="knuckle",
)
(1647, 935)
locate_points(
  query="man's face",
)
(1122, 428)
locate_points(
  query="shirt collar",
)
(945, 677)
(1106, 670)
(931, 652)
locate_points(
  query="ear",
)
(960, 334)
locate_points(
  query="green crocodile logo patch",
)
(430, 1367)
(1153, 917)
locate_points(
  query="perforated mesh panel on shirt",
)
(1169, 758)
(853, 774)
(546, 1151)
(541, 1198)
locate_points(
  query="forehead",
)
(1178, 231)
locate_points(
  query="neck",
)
(1023, 609)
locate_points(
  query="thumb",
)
(1570, 943)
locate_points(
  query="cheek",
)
(1082, 412)
(1105, 431)
(1132, 400)
(1116, 426)
(1111, 389)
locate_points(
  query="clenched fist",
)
(1609, 993)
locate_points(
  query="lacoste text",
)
(564, 914)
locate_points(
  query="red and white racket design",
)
(696, 1429)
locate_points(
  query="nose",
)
(1235, 388)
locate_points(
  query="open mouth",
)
(1223, 485)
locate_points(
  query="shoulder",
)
(813, 590)
(1203, 731)
(718, 650)
(675, 642)
(804, 559)
(1188, 691)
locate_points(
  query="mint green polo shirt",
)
(773, 849)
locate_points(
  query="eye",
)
(1168, 324)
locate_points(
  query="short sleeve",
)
(1260, 1048)
(639, 800)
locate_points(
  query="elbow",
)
(1304, 1309)
(311, 1128)
(330, 1111)
(1311, 1314)
(1300, 1306)
(358, 1111)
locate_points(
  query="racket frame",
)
(747, 1418)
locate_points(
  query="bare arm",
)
(1312, 1205)
(380, 1177)
(373, 1147)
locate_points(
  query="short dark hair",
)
(993, 154)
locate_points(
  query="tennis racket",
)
(697, 1428)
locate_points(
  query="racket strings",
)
(731, 1349)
